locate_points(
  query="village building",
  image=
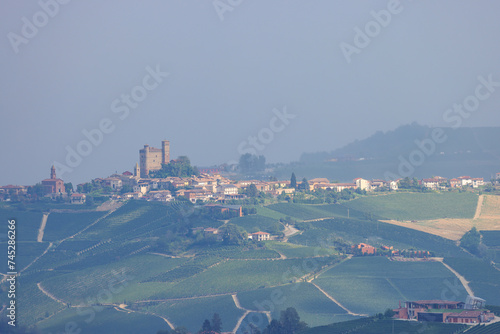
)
(53, 185)
(217, 208)
(362, 184)
(260, 236)
(11, 189)
(436, 182)
(227, 189)
(77, 198)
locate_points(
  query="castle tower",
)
(137, 170)
(144, 163)
(53, 173)
(165, 148)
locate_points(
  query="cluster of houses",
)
(366, 249)
(214, 187)
(470, 312)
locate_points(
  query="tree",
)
(251, 163)
(206, 327)
(290, 320)
(471, 241)
(289, 323)
(126, 188)
(304, 185)
(37, 190)
(389, 313)
(274, 327)
(252, 191)
(216, 323)
(293, 181)
(68, 187)
(181, 167)
(233, 234)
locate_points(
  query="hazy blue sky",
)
(226, 76)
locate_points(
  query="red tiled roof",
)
(437, 302)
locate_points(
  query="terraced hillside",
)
(110, 266)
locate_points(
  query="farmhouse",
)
(366, 249)
(259, 236)
(236, 209)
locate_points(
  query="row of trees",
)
(181, 167)
(289, 323)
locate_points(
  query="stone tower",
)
(137, 170)
(165, 148)
(53, 173)
(151, 159)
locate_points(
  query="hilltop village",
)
(146, 183)
(211, 186)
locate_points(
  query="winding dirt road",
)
(462, 279)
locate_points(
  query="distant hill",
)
(401, 141)
(465, 151)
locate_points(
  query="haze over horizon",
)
(230, 79)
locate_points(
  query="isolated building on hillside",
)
(260, 236)
(217, 208)
(445, 311)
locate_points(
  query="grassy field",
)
(258, 320)
(238, 275)
(110, 263)
(27, 224)
(368, 285)
(75, 286)
(309, 212)
(491, 238)
(418, 206)
(374, 233)
(484, 279)
(62, 225)
(255, 223)
(237, 252)
(25, 253)
(298, 251)
(29, 300)
(312, 305)
(191, 313)
(97, 320)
